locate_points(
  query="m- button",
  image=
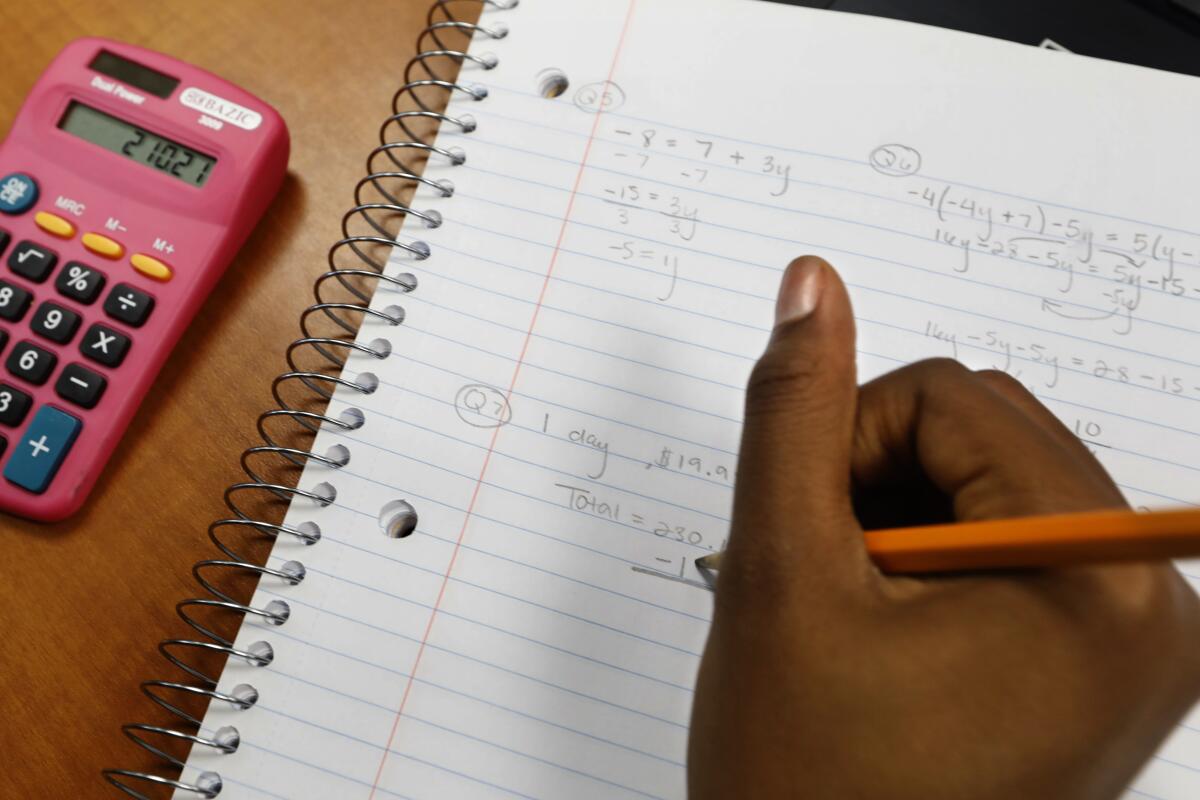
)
(104, 345)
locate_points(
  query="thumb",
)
(792, 503)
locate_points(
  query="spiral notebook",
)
(484, 585)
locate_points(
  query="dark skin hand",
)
(824, 678)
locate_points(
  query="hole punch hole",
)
(339, 454)
(395, 313)
(552, 83)
(433, 218)
(228, 738)
(367, 381)
(261, 654)
(245, 694)
(467, 123)
(447, 187)
(209, 783)
(398, 519)
(381, 346)
(421, 250)
(279, 611)
(408, 283)
(325, 493)
(488, 60)
(294, 571)
(311, 532)
(352, 418)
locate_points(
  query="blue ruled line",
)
(460, 734)
(376, 590)
(518, 562)
(533, 717)
(415, 640)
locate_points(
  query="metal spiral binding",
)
(333, 351)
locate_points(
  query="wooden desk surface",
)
(83, 604)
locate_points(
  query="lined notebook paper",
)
(562, 404)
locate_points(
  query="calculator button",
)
(5, 238)
(31, 363)
(151, 267)
(128, 305)
(80, 282)
(32, 261)
(103, 246)
(18, 192)
(14, 302)
(55, 323)
(40, 452)
(54, 225)
(104, 345)
(3, 339)
(14, 405)
(80, 385)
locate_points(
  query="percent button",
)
(80, 282)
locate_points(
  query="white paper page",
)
(562, 404)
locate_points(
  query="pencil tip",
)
(710, 561)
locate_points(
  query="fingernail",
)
(800, 290)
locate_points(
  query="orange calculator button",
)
(151, 267)
(54, 225)
(103, 246)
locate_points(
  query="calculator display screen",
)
(137, 144)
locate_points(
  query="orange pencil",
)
(1028, 542)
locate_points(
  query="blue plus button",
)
(18, 193)
(40, 452)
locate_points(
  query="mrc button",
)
(18, 193)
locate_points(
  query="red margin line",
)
(562, 231)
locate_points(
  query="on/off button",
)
(18, 193)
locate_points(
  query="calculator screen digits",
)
(137, 144)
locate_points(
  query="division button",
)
(54, 225)
(103, 246)
(18, 192)
(40, 452)
(129, 305)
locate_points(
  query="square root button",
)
(39, 453)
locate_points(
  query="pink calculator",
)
(128, 182)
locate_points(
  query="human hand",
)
(823, 678)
